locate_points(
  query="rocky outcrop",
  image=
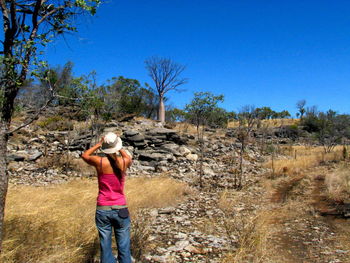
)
(155, 150)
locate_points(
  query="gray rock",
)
(15, 157)
(171, 147)
(166, 210)
(130, 133)
(162, 131)
(34, 156)
(136, 138)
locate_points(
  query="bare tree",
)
(166, 76)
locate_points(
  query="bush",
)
(56, 123)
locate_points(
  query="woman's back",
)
(111, 181)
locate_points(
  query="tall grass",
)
(56, 224)
(300, 158)
(269, 123)
(338, 185)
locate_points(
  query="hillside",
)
(290, 207)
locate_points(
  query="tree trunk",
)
(161, 110)
(3, 174)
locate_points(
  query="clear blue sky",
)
(263, 53)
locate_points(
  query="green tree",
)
(265, 113)
(124, 96)
(27, 26)
(301, 108)
(199, 111)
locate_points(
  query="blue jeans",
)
(105, 221)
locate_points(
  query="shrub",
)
(56, 123)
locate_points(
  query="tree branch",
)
(36, 115)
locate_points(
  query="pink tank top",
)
(111, 189)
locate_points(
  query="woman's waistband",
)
(110, 207)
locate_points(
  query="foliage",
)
(176, 115)
(301, 108)
(56, 123)
(125, 96)
(267, 113)
(329, 128)
(29, 26)
(202, 107)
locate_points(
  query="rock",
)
(192, 157)
(193, 249)
(136, 138)
(171, 147)
(15, 157)
(130, 133)
(182, 244)
(183, 150)
(161, 131)
(166, 210)
(208, 171)
(181, 236)
(34, 156)
(146, 168)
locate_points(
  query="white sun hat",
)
(111, 143)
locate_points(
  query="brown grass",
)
(338, 185)
(268, 123)
(304, 158)
(246, 231)
(56, 224)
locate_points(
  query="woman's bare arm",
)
(89, 158)
(127, 159)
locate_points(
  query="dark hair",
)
(117, 171)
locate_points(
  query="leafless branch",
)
(33, 118)
(165, 73)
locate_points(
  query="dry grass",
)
(300, 158)
(246, 231)
(56, 224)
(268, 123)
(338, 185)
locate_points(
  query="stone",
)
(130, 133)
(208, 171)
(166, 210)
(193, 249)
(162, 131)
(171, 147)
(15, 157)
(183, 150)
(192, 157)
(34, 156)
(182, 244)
(136, 138)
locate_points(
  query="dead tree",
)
(166, 76)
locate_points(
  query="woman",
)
(111, 210)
